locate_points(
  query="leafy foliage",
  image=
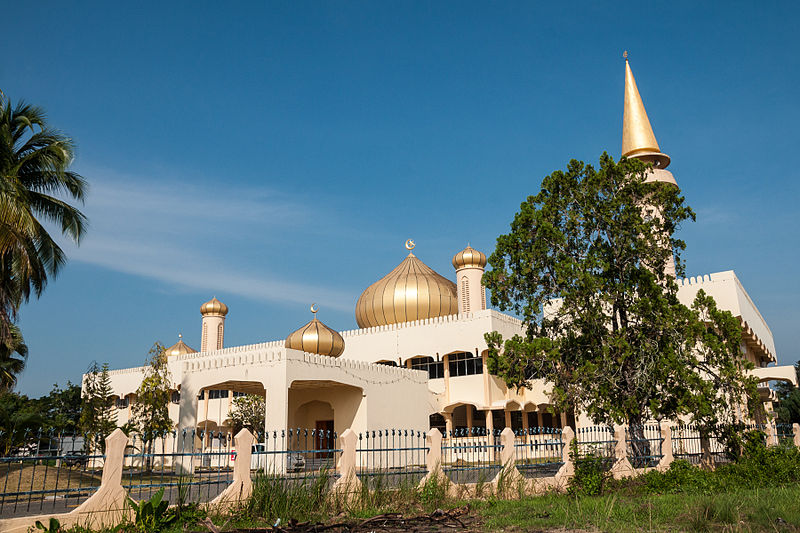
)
(249, 412)
(150, 413)
(53, 526)
(152, 516)
(54, 413)
(13, 353)
(583, 266)
(788, 410)
(590, 473)
(98, 417)
(34, 172)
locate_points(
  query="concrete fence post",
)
(796, 431)
(706, 459)
(433, 458)
(667, 457)
(242, 486)
(508, 468)
(622, 466)
(771, 434)
(348, 483)
(567, 470)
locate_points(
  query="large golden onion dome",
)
(316, 337)
(179, 348)
(412, 291)
(213, 307)
(469, 257)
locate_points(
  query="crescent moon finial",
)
(410, 244)
(314, 308)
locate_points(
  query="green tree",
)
(98, 417)
(13, 353)
(788, 411)
(150, 413)
(34, 172)
(249, 412)
(583, 266)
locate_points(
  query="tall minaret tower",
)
(639, 141)
(469, 264)
(213, 312)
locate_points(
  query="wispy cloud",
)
(198, 236)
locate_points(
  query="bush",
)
(590, 476)
(682, 476)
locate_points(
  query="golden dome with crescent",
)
(412, 291)
(316, 337)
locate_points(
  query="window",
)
(465, 294)
(239, 394)
(176, 397)
(435, 368)
(465, 364)
(214, 394)
(122, 403)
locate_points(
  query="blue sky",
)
(275, 154)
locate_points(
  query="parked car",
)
(75, 458)
(295, 462)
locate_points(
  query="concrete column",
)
(485, 374)
(525, 425)
(448, 421)
(539, 417)
(469, 409)
(796, 431)
(507, 450)
(446, 363)
(666, 448)
(563, 420)
(489, 421)
(508, 418)
(187, 425)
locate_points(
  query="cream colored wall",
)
(728, 292)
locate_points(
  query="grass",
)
(16, 477)
(764, 509)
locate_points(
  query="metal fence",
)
(191, 466)
(596, 441)
(644, 445)
(296, 453)
(391, 457)
(538, 451)
(471, 455)
(46, 472)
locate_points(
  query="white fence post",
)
(796, 431)
(667, 456)
(622, 466)
(348, 483)
(433, 459)
(567, 470)
(242, 486)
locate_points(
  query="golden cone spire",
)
(638, 139)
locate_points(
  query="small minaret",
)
(469, 264)
(213, 312)
(639, 141)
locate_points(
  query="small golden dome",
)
(469, 257)
(316, 337)
(179, 348)
(412, 291)
(213, 307)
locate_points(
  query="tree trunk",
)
(640, 451)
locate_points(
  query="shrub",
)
(590, 476)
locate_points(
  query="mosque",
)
(418, 358)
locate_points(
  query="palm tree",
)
(13, 353)
(34, 161)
